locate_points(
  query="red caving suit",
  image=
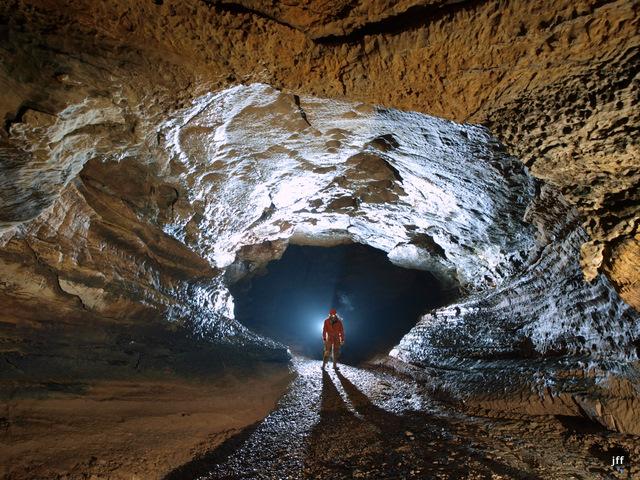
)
(332, 336)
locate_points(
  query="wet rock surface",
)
(375, 423)
(146, 240)
(490, 330)
(556, 80)
(456, 205)
(438, 195)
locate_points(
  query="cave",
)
(378, 301)
(188, 187)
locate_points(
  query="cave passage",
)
(378, 301)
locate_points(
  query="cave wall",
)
(145, 237)
(546, 341)
(259, 165)
(92, 286)
(433, 194)
(556, 81)
(547, 308)
(90, 290)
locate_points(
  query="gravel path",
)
(361, 423)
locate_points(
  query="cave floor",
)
(135, 429)
(371, 423)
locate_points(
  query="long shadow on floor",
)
(368, 441)
(355, 438)
(205, 463)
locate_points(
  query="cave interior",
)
(187, 188)
(378, 302)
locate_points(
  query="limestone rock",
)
(556, 80)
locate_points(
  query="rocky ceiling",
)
(556, 81)
(138, 174)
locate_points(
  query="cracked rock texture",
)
(547, 309)
(134, 183)
(555, 80)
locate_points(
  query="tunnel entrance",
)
(378, 301)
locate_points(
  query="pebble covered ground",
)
(373, 424)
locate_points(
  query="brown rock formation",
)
(128, 429)
(132, 185)
(555, 80)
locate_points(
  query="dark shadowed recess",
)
(378, 301)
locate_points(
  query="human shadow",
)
(381, 444)
(205, 463)
(335, 437)
(331, 402)
(363, 405)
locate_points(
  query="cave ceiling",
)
(556, 81)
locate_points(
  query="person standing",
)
(332, 337)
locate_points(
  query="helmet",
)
(332, 311)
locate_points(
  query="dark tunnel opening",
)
(378, 301)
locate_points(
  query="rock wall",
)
(141, 245)
(92, 289)
(546, 309)
(546, 341)
(556, 80)
(257, 165)
(143, 241)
